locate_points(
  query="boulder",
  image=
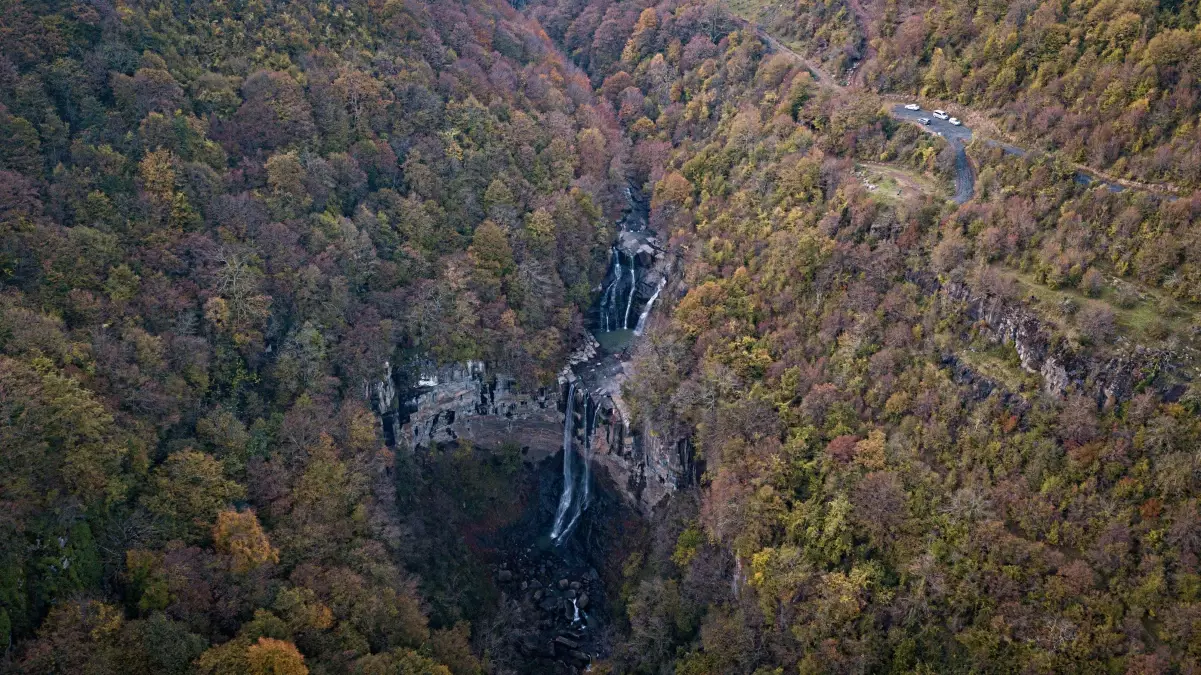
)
(582, 601)
(567, 642)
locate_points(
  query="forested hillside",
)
(886, 487)
(931, 437)
(217, 222)
(1111, 84)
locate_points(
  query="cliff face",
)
(471, 402)
(1113, 374)
(642, 463)
(467, 402)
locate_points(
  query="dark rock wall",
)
(1109, 374)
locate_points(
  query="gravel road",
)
(958, 137)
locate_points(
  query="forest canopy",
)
(220, 221)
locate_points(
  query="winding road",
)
(960, 135)
(957, 136)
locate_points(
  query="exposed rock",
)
(563, 584)
(582, 601)
(504, 576)
(467, 402)
(567, 642)
(1108, 374)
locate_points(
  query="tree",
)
(274, 113)
(492, 259)
(188, 491)
(239, 535)
(76, 637)
(274, 657)
(286, 179)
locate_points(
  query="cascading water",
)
(581, 504)
(568, 473)
(610, 297)
(625, 324)
(646, 311)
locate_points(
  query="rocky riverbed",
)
(554, 603)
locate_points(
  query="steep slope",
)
(888, 486)
(218, 222)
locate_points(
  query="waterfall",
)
(586, 478)
(625, 324)
(647, 310)
(568, 478)
(588, 429)
(610, 295)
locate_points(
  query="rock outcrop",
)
(1111, 374)
(468, 402)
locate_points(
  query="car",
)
(924, 120)
(912, 106)
(955, 121)
(941, 114)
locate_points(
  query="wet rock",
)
(582, 601)
(567, 642)
(575, 585)
(504, 576)
(535, 584)
(578, 656)
(563, 584)
(571, 593)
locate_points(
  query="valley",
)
(599, 336)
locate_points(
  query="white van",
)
(941, 114)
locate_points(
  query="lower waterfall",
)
(565, 500)
(571, 507)
(580, 505)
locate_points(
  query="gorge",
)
(610, 463)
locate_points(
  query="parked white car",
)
(941, 114)
(912, 106)
(955, 121)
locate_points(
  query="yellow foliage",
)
(240, 536)
(275, 657)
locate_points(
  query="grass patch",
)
(889, 183)
(999, 363)
(1139, 312)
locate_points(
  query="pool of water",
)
(614, 340)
